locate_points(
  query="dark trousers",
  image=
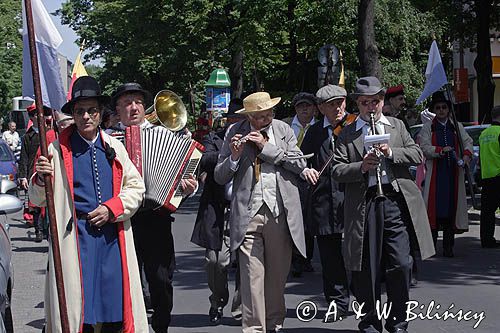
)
(448, 233)
(335, 285)
(298, 261)
(490, 201)
(386, 244)
(154, 245)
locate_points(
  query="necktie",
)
(302, 132)
(258, 161)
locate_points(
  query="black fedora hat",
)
(367, 86)
(85, 87)
(130, 87)
(438, 97)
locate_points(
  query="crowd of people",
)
(348, 172)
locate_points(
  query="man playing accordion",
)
(152, 228)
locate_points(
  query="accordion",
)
(163, 159)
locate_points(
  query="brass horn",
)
(168, 110)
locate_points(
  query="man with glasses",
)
(261, 156)
(152, 228)
(377, 231)
(96, 191)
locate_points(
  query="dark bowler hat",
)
(438, 97)
(367, 86)
(130, 87)
(85, 87)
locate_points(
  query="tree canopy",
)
(11, 57)
(175, 44)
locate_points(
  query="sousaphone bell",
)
(167, 110)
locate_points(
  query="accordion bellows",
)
(163, 159)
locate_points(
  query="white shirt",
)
(297, 126)
(365, 126)
(12, 139)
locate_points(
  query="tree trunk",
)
(483, 63)
(236, 73)
(367, 48)
(292, 55)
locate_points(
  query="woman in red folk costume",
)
(444, 190)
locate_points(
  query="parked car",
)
(8, 166)
(8, 204)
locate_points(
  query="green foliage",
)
(11, 46)
(175, 44)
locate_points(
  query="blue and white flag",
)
(435, 77)
(47, 40)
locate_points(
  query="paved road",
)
(470, 281)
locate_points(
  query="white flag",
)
(435, 77)
(47, 40)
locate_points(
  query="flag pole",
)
(49, 191)
(461, 148)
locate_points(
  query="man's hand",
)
(23, 183)
(370, 162)
(445, 150)
(310, 175)
(43, 166)
(257, 138)
(100, 216)
(236, 147)
(188, 185)
(385, 149)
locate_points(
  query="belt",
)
(82, 215)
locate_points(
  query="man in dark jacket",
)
(29, 149)
(325, 216)
(208, 231)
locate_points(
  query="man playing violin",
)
(325, 214)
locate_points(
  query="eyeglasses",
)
(127, 102)
(441, 107)
(372, 102)
(93, 111)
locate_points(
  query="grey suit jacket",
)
(287, 172)
(348, 158)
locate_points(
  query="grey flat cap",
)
(367, 86)
(304, 97)
(330, 92)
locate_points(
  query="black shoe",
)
(215, 315)
(38, 237)
(448, 253)
(413, 282)
(490, 245)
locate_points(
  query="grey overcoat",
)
(348, 158)
(287, 173)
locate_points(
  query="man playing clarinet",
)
(378, 229)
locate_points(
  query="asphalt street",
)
(469, 282)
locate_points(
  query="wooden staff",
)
(49, 192)
(461, 149)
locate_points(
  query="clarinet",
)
(380, 191)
